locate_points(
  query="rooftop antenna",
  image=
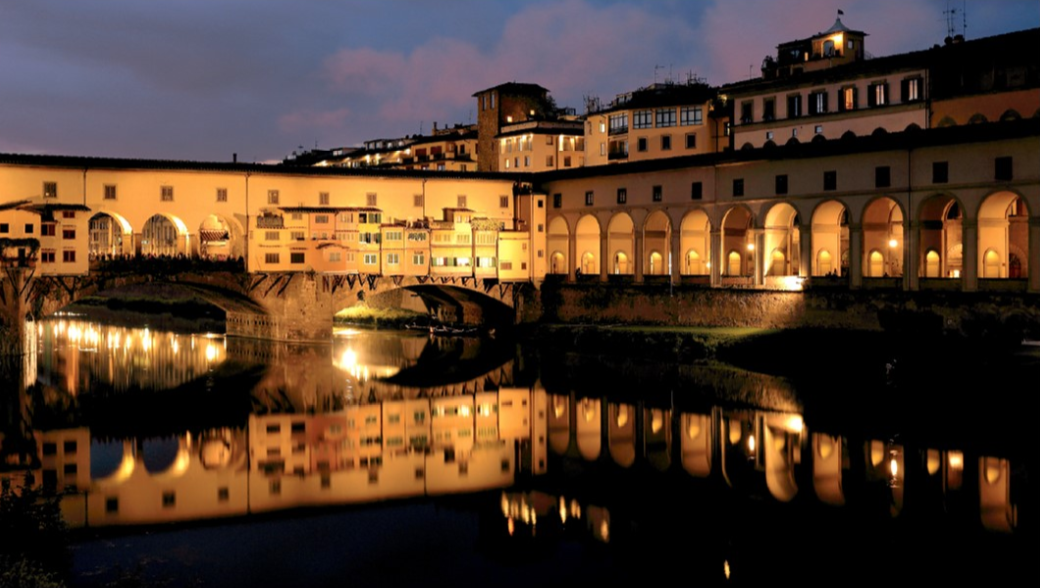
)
(657, 67)
(951, 19)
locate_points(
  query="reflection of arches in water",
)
(159, 455)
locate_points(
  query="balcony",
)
(617, 155)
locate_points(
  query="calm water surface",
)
(396, 457)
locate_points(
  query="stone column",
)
(970, 255)
(855, 270)
(716, 258)
(908, 269)
(639, 257)
(573, 263)
(676, 257)
(605, 261)
(805, 243)
(760, 257)
(913, 266)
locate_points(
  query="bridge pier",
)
(299, 307)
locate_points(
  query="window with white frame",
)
(665, 117)
(642, 119)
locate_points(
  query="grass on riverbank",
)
(377, 318)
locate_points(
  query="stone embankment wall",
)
(921, 312)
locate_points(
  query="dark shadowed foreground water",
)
(399, 458)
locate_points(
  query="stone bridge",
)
(284, 306)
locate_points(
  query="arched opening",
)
(163, 236)
(830, 239)
(733, 265)
(738, 238)
(1003, 236)
(558, 263)
(782, 240)
(941, 222)
(824, 263)
(587, 236)
(621, 241)
(621, 265)
(932, 267)
(657, 239)
(656, 265)
(695, 240)
(215, 241)
(883, 233)
(558, 239)
(876, 265)
(110, 236)
(991, 264)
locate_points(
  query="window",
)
(656, 193)
(746, 112)
(68, 214)
(567, 161)
(1003, 169)
(47, 256)
(696, 191)
(848, 99)
(271, 235)
(323, 198)
(503, 201)
(393, 259)
(911, 89)
(769, 135)
(48, 229)
(110, 192)
(666, 117)
(818, 130)
(666, 143)
(371, 199)
(794, 106)
(273, 258)
(691, 115)
(68, 232)
(527, 161)
(589, 198)
(641, 144)
(781, 184)
(830, 180)
(622, 195)
(5, 228)
(273, 197)
(223, 494)
(371, 259)
(417, 201)
(50, 189)
(166, 193)
(818, 102)
(691, 140)
(877, 94)
(602, 148)
(769, 109)
(221, 194)
(548, 161)
(169, 499)
(29, 228)
(111, 504)
(296, 257)
(618, 123)
(642, 119)
(557, 200)
(882, 176)
(419, 258)
(940, 172)
(738, 187)
(461, 200)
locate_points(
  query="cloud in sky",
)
(195, 79)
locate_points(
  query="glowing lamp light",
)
(750, 246)
(751, 443)
(892, 243)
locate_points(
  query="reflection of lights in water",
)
(725, 568)
(751, 443)
(504, 503)
(795, 423)
(176, 346)
(211, 353)
(656, 420)
(893, 466)
(588, 410)
(464, 411)
(604, 531)
(563, 510)
(511, 526)
(956, 460)
(575, 509)
(349, 360)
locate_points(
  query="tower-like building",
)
(506, 104)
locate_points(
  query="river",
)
(398, 456)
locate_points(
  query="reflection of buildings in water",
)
(362, 453)
(78, 356)
(764, 453)
(523, 512)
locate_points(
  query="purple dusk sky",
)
(202, 79)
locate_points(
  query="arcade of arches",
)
(112, 235)
(868, 242)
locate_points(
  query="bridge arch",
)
(111, 235)
(164, 234)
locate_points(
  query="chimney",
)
(434, 127)
(234, 158)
